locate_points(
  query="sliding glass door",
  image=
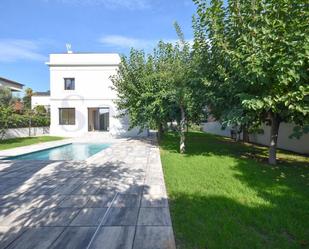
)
(104, 119)
(98, 119)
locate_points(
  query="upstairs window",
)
(67, 116)
(69, 84)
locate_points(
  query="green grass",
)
(223, 194)
(17, 142)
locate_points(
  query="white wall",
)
(40, 100)
(215, 128)
(118, 127)
(92, 73)
(24, 132)
(284, 142)
(91, 82)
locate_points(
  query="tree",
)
(27, 98)
(6, 113)
(160, 87)
(40, 110)
(257, 62)
(6, 97)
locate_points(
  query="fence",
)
(284, 142)
(26, 132)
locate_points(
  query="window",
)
(67, 116)
(69, 84)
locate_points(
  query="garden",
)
(246, 67)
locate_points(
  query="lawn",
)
(223, 195)
(17, 142)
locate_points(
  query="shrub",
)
(22, 121)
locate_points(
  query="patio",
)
(116, 199)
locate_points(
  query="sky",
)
(30, 30)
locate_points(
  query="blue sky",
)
(32, 29)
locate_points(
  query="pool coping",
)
(4, 154)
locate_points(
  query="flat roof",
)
(84, 59)
(47, 93)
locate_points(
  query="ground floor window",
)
(67, 116)
(98, 119)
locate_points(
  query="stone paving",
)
(116, 199)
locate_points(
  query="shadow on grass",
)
(216, 222)
(199, 143)
(246, 204)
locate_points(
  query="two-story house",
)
(12, 85)
(81, 97)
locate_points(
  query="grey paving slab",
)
(9, 234)
(74, 238)
(121, 217)
(66, 189)
(89, 217)
(103, 190)
(154, 201)
(86, 189)
(44, 197)
(36, 238)
(116, 237)
(127, 200)
(155, 190)
(44, 201)
(156, 216)
(14, 217)
(58, 217)
(97, 201)
(77, 201)
(154, 237)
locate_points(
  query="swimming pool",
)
(73, 151)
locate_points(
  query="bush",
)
(22, 121)
(5, 120)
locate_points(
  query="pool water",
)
(74, 151)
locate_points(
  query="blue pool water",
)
(75, 151)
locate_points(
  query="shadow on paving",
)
(46, 204)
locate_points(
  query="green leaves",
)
(258, 59)
(152, 88)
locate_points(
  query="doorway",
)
(98, 119)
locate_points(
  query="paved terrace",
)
(116, 199)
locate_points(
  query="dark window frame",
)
(68, 87)
(61, 119)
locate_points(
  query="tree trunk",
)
(29, 126)
(245, 134)
(237, 135)
(274, 130)
(182, 130)
(160, 131)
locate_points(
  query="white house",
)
(81, 98)
(41, 98)
(12, 85)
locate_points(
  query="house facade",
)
(41, 99)
(81, 97)
(12, 85)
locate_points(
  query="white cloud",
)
(126, 42)
(17, 49)
(119, 41)
(111, 4)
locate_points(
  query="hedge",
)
(22, 121)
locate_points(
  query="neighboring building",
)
(13, 85)
(41, 98)
(81, 98)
